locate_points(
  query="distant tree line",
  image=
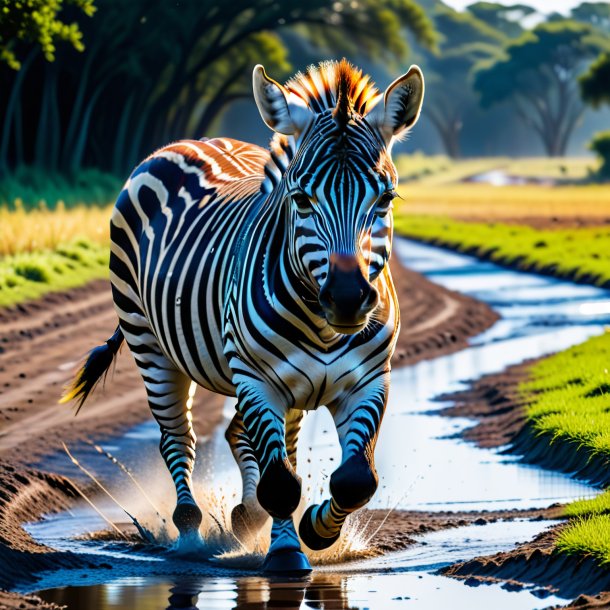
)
(104, 82)
(488, 56)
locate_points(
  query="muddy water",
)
(421, 465)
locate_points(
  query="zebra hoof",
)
(310, 537)
(187, 518)
(286, 561)
(247, 522)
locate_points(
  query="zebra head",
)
(335, 135)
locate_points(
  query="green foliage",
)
(38, 22)
(538, 74)
(581, 254)
(601, 145)
(504, 18)
(596, 14)
(31, 186)
(28, 276)
(154, 72)
(595, 83)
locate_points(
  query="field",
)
(438, 170)
(578, 254)
(43, 250)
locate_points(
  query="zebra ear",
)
(282, 110)
(402, 105)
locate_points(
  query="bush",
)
(601, 145)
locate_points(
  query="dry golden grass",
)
(487, 202)
(43, 229)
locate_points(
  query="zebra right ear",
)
(282, 110)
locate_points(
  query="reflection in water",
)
(323, 591)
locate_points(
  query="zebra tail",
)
(96, 366)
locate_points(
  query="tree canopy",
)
(538, 74)
(465, 40)
(595, 83)
(23, 22)
(154, 72)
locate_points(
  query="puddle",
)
(420, 462)
(499, 177)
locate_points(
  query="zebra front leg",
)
(353, 484)
(279, 487)
(168, 398)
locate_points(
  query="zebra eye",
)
(302, 204)
(384, 204)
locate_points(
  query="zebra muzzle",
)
(347, 297)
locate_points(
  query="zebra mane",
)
(331, 85)
(335, 85)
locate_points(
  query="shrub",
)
(601, 145)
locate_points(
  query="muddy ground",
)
(494, 402)
(42, 342)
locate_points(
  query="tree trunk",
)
(12, 109)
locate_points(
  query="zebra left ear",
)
(402, 105)
(282, 110)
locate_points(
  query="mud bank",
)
(41, 343)
(494, 402)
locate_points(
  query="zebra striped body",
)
(262, 274)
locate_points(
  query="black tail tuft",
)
(96, 366)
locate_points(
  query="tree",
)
(595, 83)
(38, 22)
(596, 14)
(465, 41)
(601, 145)
(538, 74)
(157, 71)
(504, 18)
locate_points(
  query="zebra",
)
(262, 274)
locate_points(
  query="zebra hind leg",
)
(248, 517)
(169, 401)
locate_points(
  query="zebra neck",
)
(281, 152)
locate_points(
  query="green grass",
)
(30, 187)
(589, 536)
(582, 254)
(29, 275)
(568, 396)
(567, 401)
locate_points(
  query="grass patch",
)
(29, 275)
(567, 398)
(45, 250)
(30, 187)
(589, 536)
(581, 254)
(45, 229)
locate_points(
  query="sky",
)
(544, 6)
